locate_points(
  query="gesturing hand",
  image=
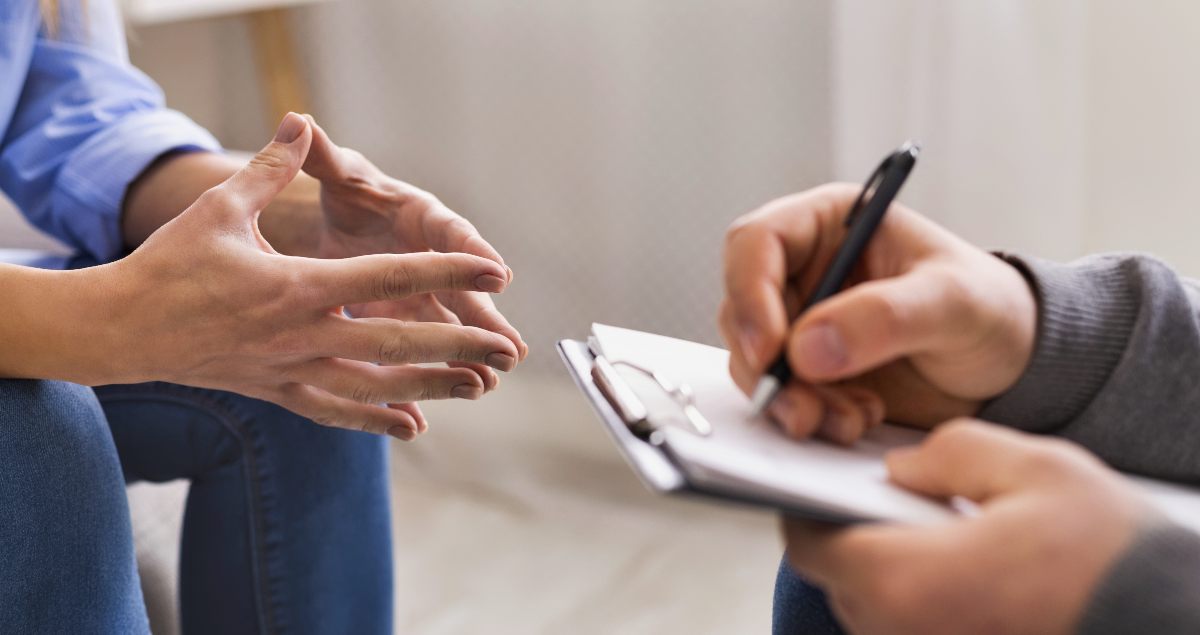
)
(206, 301)
(368, 212)
(929, 328)
(1053, 519)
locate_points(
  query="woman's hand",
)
(929, 328)
(1052, 520)
(206, 301)
(365, 211)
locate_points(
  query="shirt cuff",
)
(94, 181)
(1152, 588)
(1086, 313)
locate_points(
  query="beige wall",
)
(1056, 128)
(602, 145)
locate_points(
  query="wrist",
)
(58, 326)
(1020, 308)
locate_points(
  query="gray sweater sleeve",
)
(1154, 587)
(1116, 367)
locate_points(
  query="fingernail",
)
(510, 273)
(750, 341)
(402, 432)
(491, 284)
(466, 391)
(290, 128)
(783, 411)
(820, 349)
(834, 426)
(501, 361)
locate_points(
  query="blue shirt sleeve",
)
(86, 125)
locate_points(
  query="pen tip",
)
(764, 392)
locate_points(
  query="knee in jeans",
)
(54, 429)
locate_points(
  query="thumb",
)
(877, 322)
(322, 162)
(972, 459)
(265, 176)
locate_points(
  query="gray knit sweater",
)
(1116, 368)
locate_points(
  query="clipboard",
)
(651, 459)
(665, 468)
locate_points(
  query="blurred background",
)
(603, 146)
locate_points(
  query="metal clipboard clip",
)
(632, 409)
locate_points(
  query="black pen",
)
(864, 218)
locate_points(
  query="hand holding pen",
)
(860, 309)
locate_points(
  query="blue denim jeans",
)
(286, 529)
(800, 608)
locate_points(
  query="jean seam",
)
(259, 498)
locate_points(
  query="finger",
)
(396, 276)
(371, 384)
(476, 309)
(862, 559)
(446, 231)
(743, 361)
(755, 274)
(433, 311)
(323, 159)
(877, 322)
(330, 410)
(766, 248)
(844, 420)
(442, 229)
(428, 309)
(414, 410)
(798, 410)
(832, 555)
(979, 461)
(253, 187)
(392, 342)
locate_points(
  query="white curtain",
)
(1058, 128)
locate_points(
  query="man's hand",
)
(367, 212)
(206, 301)
(929, 328)
(1052, 520)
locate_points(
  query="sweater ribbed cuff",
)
(1086, 312)
(1154, 587)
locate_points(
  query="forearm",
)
(175, 181)
(57, 325)
(1115, 364)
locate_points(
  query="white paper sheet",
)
(748, 454)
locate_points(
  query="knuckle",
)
(397, 282)
(958, 297)
(270, 160)
(427, 391)
(219, 197)
(1053, 459)
(889, 314)
(365, 393)
(325, 419)
(952, 435)
(740, 227)
(401, 348)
